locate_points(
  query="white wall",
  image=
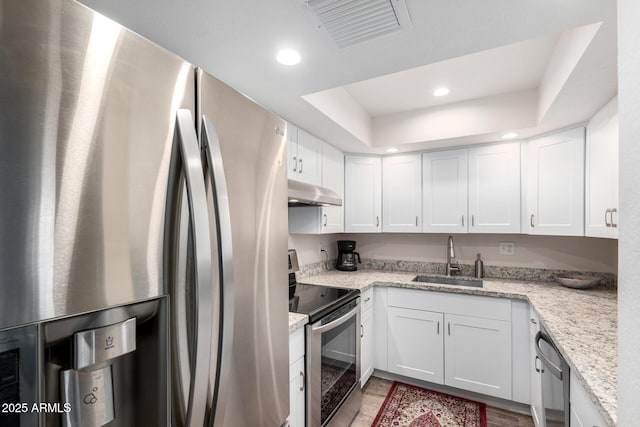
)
(629, 243)
(571, 253)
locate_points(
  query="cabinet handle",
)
(607, 223)
(367, 299)
(449, 328)
(531, 221)
(302, 383)
(377, 221)
(361, 331)
(325, 220)
(535, 365)
(534, 321)
(463, 220)
(614, 224)
(295, 164)
(416, 221)
(438, 328)
(300, 171)
(473, 220)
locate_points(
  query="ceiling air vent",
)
(354, 21)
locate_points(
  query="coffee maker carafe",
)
(347, 256)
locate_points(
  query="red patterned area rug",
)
(410, 406)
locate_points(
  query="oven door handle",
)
(546, 362)
(335, 323)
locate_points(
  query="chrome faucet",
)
(452, 265)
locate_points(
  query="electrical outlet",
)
(320, 248)
(507, 248)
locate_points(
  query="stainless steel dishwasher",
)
(555, 381)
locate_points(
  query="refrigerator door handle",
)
(198, 214)
(211, 146)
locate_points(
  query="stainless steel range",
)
(332, 349)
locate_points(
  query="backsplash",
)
(609, 280)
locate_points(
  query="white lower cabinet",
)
(478, 355)
(296, 379)
(430, 337)
(583, 411)
(366, 347)
(367, 336)
(537, 407)
(415, 345)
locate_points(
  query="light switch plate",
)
(507, 248)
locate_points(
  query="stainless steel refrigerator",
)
(143, 229)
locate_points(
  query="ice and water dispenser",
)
(108, 367)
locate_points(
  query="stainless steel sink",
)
(449, 281)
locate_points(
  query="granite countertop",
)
(582, 323)
(297, 321)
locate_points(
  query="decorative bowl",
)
(578, 281)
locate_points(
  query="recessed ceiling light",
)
(441, 91)
(293, 200)
(392, 150)
(288, 57)
(509, 135)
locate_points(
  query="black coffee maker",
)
(347, 255)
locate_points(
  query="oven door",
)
(333, 366)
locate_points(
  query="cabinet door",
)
(402, 190)
(478, 355)
(415, 344)
(583, 412)
(602, 173)
(296, 393)
(444, 191)
(555, 184)
(536, 379)
(494, 189)
(309, 158)
(366, 347)
(363, 194)
(292, 152)
(333, 179)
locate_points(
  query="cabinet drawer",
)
(366, 300)
(296, 345)
(467, 305)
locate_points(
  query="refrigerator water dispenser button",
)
(90, 394)
(103, 344)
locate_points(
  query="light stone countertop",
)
(297, 321)
(582, 323)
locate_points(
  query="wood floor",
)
(376, 390)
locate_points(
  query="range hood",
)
(302, 194)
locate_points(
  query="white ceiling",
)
(523, 66)
(511, 68)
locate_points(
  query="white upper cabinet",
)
(402, 193)
(363, 194)
(326, 219)
(444, 191)
(475, 190)
(333, 179)
(555, 184)
(304, 160)
(494, 189)
(601, 204)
